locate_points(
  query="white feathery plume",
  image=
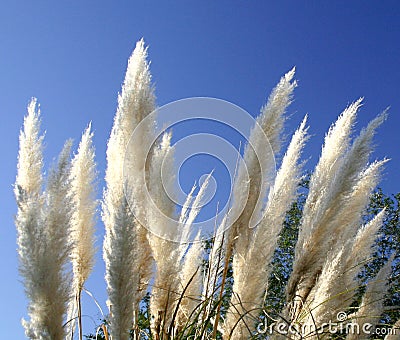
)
(122, 275)
(126, 251)
(272, 114)
(42, 224)
(360, 249)
(183, 218)
(196, 205)
(348, 214)
(352, 207)
(354, 183)
(252, 177)
(164, 245)
(250, 280)
(362, 147)
(29, 219)
(52, 294)
(192, 213)
(135, 102)
(282, 194)
(186, 206)
(339, 191)
(83, 176)
(342, 289)
(30, 158)
(190, 283)
(160, 182)
(258, 157)
(335, 145)
(58, 245)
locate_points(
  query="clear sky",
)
(72, 56)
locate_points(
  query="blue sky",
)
(72, 57)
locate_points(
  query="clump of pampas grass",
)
(189, 291)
